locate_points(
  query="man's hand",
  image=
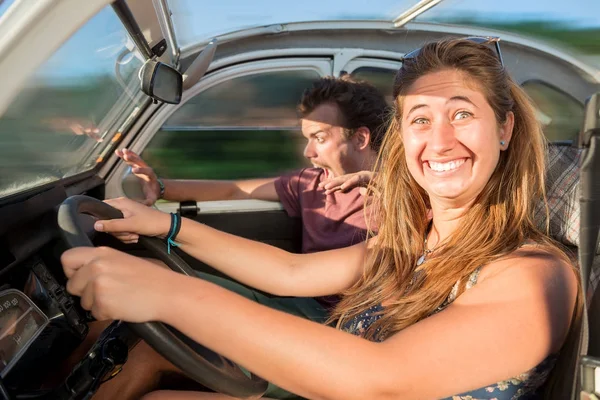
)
(143, 171)
(115, 285)
(138, 219)
(346, 182)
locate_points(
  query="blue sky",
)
(198, 18)
(212, 16)
(578, 12)
(103, 36)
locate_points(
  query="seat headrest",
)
(562, 191)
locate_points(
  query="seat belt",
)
(589, 142)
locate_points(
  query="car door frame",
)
(321, 65)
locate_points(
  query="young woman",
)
(459, 294)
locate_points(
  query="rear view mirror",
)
(161, 82)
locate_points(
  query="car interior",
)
(232, 99)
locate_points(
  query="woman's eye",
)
(462, 115)
(320, 140)
(420, 121)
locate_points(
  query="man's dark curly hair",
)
(360, 104)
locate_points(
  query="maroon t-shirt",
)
(328, 221)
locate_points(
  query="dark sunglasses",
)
(474, 39)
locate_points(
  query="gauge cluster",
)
(40, 323)
(21, 322)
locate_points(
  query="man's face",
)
(327, 147)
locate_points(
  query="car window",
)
(239, 128)
(558, 112)
(381, 78)
(67, 114)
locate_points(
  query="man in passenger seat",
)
(344, 122)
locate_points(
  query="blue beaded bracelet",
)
(173, 231)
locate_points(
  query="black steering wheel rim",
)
(199, 363)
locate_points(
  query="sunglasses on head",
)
(475, 39)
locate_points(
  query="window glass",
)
(240, 128)
(196, 20)
(559, 113)
(260, 100)
(224, 153)
(67, 114)
(381, 78)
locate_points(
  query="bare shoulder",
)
(536, 284)
(530, 275)
(532, 266)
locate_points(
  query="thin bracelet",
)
(161, 185)
(173, 231)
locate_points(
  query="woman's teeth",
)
(440, 167)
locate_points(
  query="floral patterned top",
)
(525, 386)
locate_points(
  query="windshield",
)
(573, 24)
(197, 20)
(570, 24)
(71, 108)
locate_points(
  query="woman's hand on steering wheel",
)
(118, 286)
(138, 219)
(114, 285)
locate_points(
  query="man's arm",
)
(197, 190)
(207, 190)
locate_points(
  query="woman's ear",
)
(361, 138)
(506, 130)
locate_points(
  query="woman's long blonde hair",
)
(499, 222)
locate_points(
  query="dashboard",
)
(41, 324)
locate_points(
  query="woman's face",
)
(451, 137)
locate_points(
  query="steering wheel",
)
(199, 363)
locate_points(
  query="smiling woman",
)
(67, 114)
(452, 297)
(457, 252)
